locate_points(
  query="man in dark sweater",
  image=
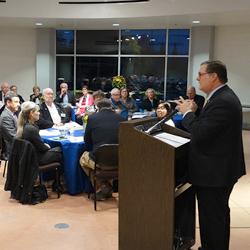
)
(198, 99)
(102, 128)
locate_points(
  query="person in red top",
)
(84, 103)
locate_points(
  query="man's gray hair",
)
(46, 90)
(114, 90)
(9, 95)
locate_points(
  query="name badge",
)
(63, 115)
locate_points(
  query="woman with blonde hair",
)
(36, 97)
(28, 130)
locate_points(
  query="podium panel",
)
(147, 185)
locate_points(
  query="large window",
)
(155, 58)
(143, 42)
(176, 77)
(64, 41)
(65, 71)
(178, 42)
(99, 70)
(143, 72)
(97, 42)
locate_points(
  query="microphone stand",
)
(163, 120)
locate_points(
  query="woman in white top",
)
(163, 109)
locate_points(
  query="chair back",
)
(3, 153)
(1, 143)
(106, 156)
(22, 171)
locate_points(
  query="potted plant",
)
(118, 82)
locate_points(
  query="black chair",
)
(23, 170)
(106, 165)
(3, 154)
(48, 168)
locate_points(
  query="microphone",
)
(163, 120)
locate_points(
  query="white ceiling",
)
(152, 14)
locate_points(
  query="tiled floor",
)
(36, 227)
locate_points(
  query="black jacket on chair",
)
(22, 171)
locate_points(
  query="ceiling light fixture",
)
(116, 24)
(103, 1)
(39, 24)
(196, 21)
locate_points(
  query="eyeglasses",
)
(160, 108)
(201, 74)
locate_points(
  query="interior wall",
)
(232, 46)
(45, 58)
(18, 58)
(202, 43)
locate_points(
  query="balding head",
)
(115, 94)
(48, 96)
(5, 87)
(191, 92)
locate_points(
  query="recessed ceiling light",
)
(116, 24)
(39, 24)
(196, 21)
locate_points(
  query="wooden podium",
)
(147, 187)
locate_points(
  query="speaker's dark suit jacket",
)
(45, 120)
(71, 98)
(216, 150)
(102, 128)
(199, 100)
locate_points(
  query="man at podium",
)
(216, 159)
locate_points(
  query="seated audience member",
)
(36, 97)
(64, 96)
(97, 96)
(84, 103)
(117, 104)
(50, 113)
(28, 130)
(4, 89)
(13, 88)
(102, 128)
(128, 102)
(8, 119)
(198, 99)
(150, 103)
(163, 110)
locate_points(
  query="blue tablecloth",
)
(75, 178)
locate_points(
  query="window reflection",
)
(97, 42)
(143, 42)
(99, 71)
(65, 71)
(143, 72)
(177, 69)
(178, 42)
(64, 41)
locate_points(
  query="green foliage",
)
(118, 82)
